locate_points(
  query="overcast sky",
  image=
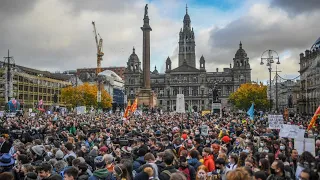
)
(57, 35)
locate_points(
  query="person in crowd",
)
(45, 171)
(194, 159)
(186, 169)
(121, 173)
(202, 173)
(5, 144)
(71, 173)
(260, 175)
(237, 174)
(208, 159)
(146, 173)
(277, 171)
(100, 172)
(169, 169)
(233, 161)
(6, 176)
(178, 176)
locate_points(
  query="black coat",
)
(166, 176)
(5, 148)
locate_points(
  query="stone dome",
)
(133, 57)
(241, 53)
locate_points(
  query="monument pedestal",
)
(147, 97)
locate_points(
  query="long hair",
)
(204, 168)
(238, 174)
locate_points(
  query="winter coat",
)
(194, 163)
(101, 174)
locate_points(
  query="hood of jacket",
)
(101, 173)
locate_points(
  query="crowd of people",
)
(165, 146)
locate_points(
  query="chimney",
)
(217, 69)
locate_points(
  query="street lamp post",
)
(269, 57)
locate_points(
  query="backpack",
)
(186, 172)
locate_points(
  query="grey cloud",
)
(16, 7)
(101, 5)
(258, 37)
(294, 7)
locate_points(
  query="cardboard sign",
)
(204, 130)
(275, 121)
(306, 144)
(292, 131)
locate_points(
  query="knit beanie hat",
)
(99, 162)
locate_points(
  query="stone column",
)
(146, 49)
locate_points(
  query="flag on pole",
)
(250, 112)
(126, 113)
(314, 118)
(134, 105)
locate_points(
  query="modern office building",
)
(29, 86)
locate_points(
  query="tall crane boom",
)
(99, 45)
(99, 59)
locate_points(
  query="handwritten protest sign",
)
(81, 110)
(275, 121)
(291, 131)
(204, 130)
(306, 144)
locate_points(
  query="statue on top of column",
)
(146, 10)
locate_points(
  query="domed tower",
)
(133, 75)
(168, 64)
(241, 67)
(187, 42)
(133, 64)
(202, 63)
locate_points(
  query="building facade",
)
(288, 95)
(196, 84)
(310, 79)
(114, 85)
(29, 86)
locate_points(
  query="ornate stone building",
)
(195, 83)
(310, 79)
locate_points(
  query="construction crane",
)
(99, 59)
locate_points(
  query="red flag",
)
(314, 118)
(126, 113)
(134, 105)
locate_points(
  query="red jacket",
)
(209, 163)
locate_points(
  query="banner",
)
(275, 121)
(203, 113)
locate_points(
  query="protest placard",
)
(204, 130)
(81, 110)
(291, 131)
(1, 113)
(275, 121)
(306, 144)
